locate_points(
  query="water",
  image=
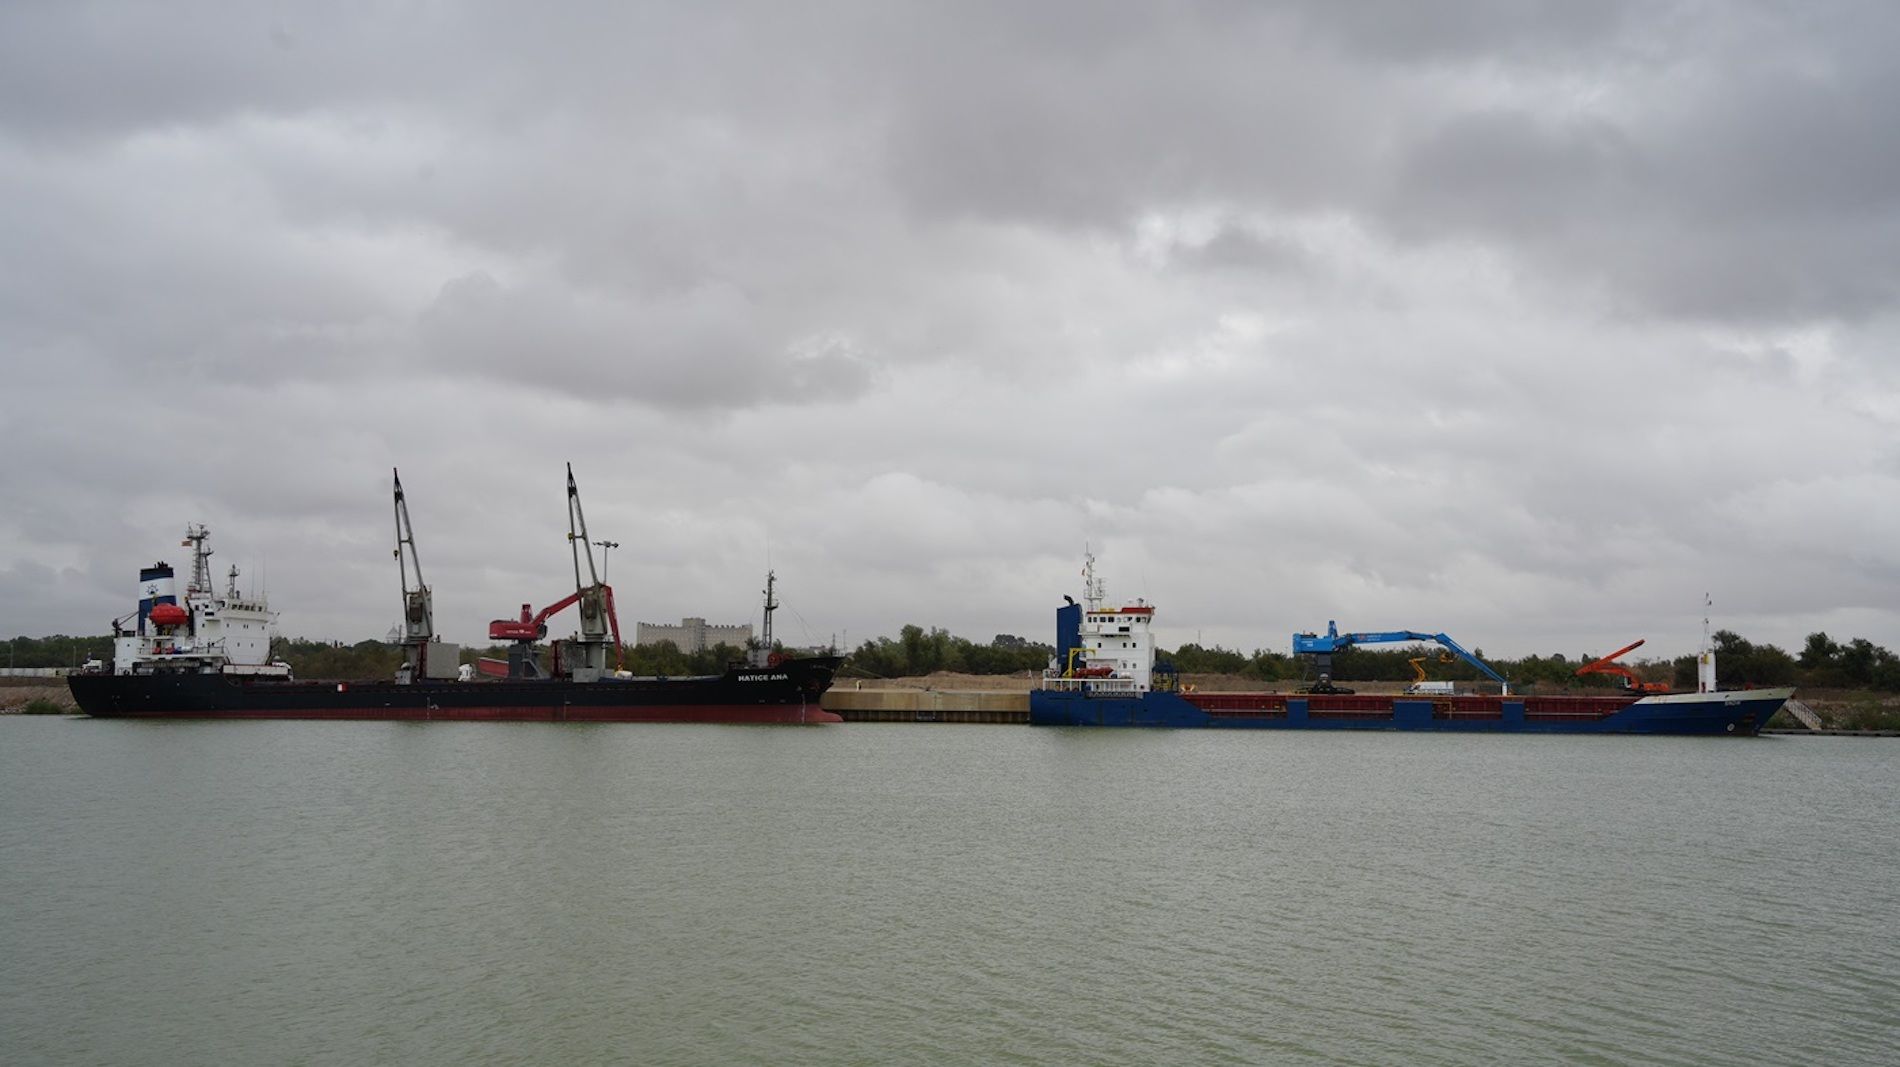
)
(317, 893)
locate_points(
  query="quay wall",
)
(928, 705)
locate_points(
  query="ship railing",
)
(1060, 683)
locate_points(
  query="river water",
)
(353, 893)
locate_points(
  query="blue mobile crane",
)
(1322, 646)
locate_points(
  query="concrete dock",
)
(928, 705)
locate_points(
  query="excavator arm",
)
(1608, 665)
(535, 627)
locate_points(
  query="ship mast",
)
(418, 610)
(1705, 679)
(771, 605)
(761, 654)
(1092, 591)
(195, 536)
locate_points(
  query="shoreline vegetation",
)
(1853, 685)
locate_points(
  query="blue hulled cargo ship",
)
(1105, 675)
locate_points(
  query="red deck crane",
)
(596, 600)
(1607, 665)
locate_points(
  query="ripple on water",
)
(297, 892)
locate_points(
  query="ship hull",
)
(1741, 713)
(787, 693)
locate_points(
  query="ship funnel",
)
(1068, 633)
(157, 585)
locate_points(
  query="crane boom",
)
(598, 619)
(418, 608)
(1322, 646)
(418, 612)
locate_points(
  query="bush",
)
(1866, 715)
(43, 706)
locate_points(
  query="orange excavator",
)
(1607, 665)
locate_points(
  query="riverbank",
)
(18, 694)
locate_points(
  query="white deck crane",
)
(422, 655)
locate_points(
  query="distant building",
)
(692, 635)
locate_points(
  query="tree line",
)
(917, 651)
(1822, 664)
(379, 659)
(59, 650)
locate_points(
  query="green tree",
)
(1819, 652)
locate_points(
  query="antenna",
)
(1092, 591)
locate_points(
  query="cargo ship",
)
(205, 655)
(1105, 675)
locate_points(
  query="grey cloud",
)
(1236, 248)
(1513, 318)
(1513, 175)
(1480, 30)
(697, 350)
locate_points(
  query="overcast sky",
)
(1530, 322)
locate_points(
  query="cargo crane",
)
(588, 659)
(1322, 646)
(1607, 665)
(418, 611)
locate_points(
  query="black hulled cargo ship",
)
(206, 656)
(786, 693)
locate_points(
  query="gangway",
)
(1804, 713)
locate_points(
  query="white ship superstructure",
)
(1113, 649)
(205, 633)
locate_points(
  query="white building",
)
(692, 635)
